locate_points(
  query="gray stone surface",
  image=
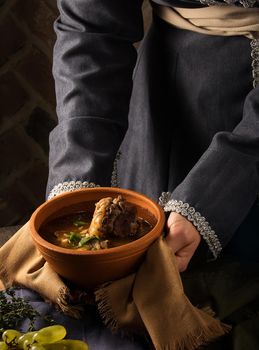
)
(7, 232)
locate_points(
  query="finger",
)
(175, 218)
(173, 222)
(177, 238)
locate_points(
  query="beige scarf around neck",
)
(214, 20)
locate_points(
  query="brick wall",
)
(27, 104)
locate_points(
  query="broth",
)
(70, 231)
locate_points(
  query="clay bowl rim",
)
(149, 236)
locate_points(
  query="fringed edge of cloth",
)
(110, 320)
(199, 337)
(62, 303)
(107, 315)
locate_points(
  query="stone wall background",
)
(27, 103)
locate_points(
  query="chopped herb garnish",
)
(79, 223)
(74, 238)
(87, 239)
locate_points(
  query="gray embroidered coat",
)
(187, 124)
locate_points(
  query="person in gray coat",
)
(177, 120)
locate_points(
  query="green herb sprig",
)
(14, 310)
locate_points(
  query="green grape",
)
(3, 345)
(26, 336)
(37, 347)
(27, 344)
(50, 334)
(66, 344)
(10, 336)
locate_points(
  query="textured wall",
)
(27, 103)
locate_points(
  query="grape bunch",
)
(47, 338)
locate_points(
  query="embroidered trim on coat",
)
(255, 62)
(195, 217)
(244, 3)
(114, 177)
(69, 187)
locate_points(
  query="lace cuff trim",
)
(114, 178)
(255, 62)
(69, 187)
(244, 3)
(195, 217)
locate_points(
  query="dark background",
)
(27, 104)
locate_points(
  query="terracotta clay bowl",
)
(87, 269)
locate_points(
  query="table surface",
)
(89, 328)
(7, 232)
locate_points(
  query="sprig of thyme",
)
(14, 310)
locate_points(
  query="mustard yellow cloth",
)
(151, 301)
(214, 20)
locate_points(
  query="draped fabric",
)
(226, 21)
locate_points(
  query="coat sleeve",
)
(222, 187)
(93, 62)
